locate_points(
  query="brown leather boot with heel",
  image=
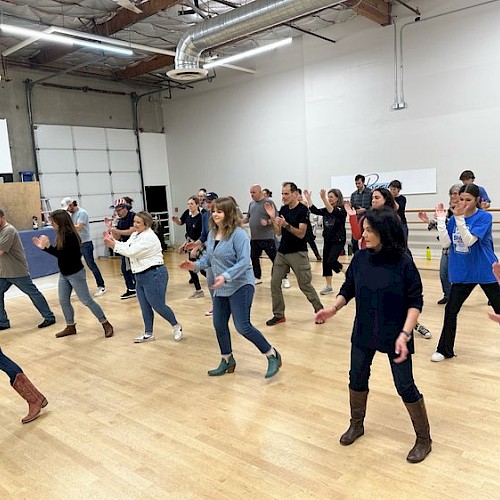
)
(423, 443)
(357, 400)
(108, 329)
(36, 400)
(69, 330)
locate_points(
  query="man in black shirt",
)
(291, 224)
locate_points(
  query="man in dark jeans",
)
(80, 218)
(124, 228)
(361, 201)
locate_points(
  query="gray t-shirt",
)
(13, 262)
(81, 216)
(256, 212)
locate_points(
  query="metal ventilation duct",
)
(238, 23)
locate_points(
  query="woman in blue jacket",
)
(469, 238)
(228, 254)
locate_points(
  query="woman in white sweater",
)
(143, 248)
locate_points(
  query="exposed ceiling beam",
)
(123, 19)
(378, 11)
(153, 64)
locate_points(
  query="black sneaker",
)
(444, 300)
(47, 322)
(275, 320)
(128, 294)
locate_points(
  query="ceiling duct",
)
(238, 23)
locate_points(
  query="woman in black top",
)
(192, 218)
(334, 234)
(395, 188)
(386, 286)
(72, 276)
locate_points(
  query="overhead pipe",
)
(251, 18)
(400, 103)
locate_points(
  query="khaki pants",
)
(299, 263)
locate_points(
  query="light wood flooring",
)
(131, 421)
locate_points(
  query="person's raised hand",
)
(348, 208)
(440, 210)
(423, 217)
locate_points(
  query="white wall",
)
(318, 109)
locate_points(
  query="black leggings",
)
(331, 253)
(458, 295)
(402, 373)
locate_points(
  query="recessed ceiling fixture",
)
(63, 39)
(248, 53)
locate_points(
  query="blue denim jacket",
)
(231, 259)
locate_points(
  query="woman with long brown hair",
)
(72, 275)
(228, 254)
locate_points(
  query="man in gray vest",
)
(80, 218)
(14, 271)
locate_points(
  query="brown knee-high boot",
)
(36, 400)
(423, 443)
(357, 400)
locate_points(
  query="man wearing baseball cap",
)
(80, 218)
(124, 228)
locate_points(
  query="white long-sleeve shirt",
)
(143, 249)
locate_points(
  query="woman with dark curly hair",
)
(386, 286)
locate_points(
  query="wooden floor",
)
(129, 420)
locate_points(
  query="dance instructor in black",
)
(386, 286)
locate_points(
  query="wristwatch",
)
(408, 335)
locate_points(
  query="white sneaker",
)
(197, 294)
(144, 337)
(100, 291)
(285, 283)
(210, 312)
(326, 290)
(177, 331)
(258, 281)
(437, 357)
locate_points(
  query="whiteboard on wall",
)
(420, 181)
(5, 159)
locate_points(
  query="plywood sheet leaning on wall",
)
(21, 201)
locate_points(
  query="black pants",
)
(355, 245)
(256, 249)
(195, 280)
(458, 295)
(331, 253)
(309, 237)
(402, 373)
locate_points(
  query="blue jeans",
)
(128, 275)
(239, 305)
(151, 292)
(9, 367)
(402, 373)
(443, 275)
(87, 250)
(26, 285)
(78, 282)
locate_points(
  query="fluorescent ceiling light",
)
(248, 53)
(65, 40)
